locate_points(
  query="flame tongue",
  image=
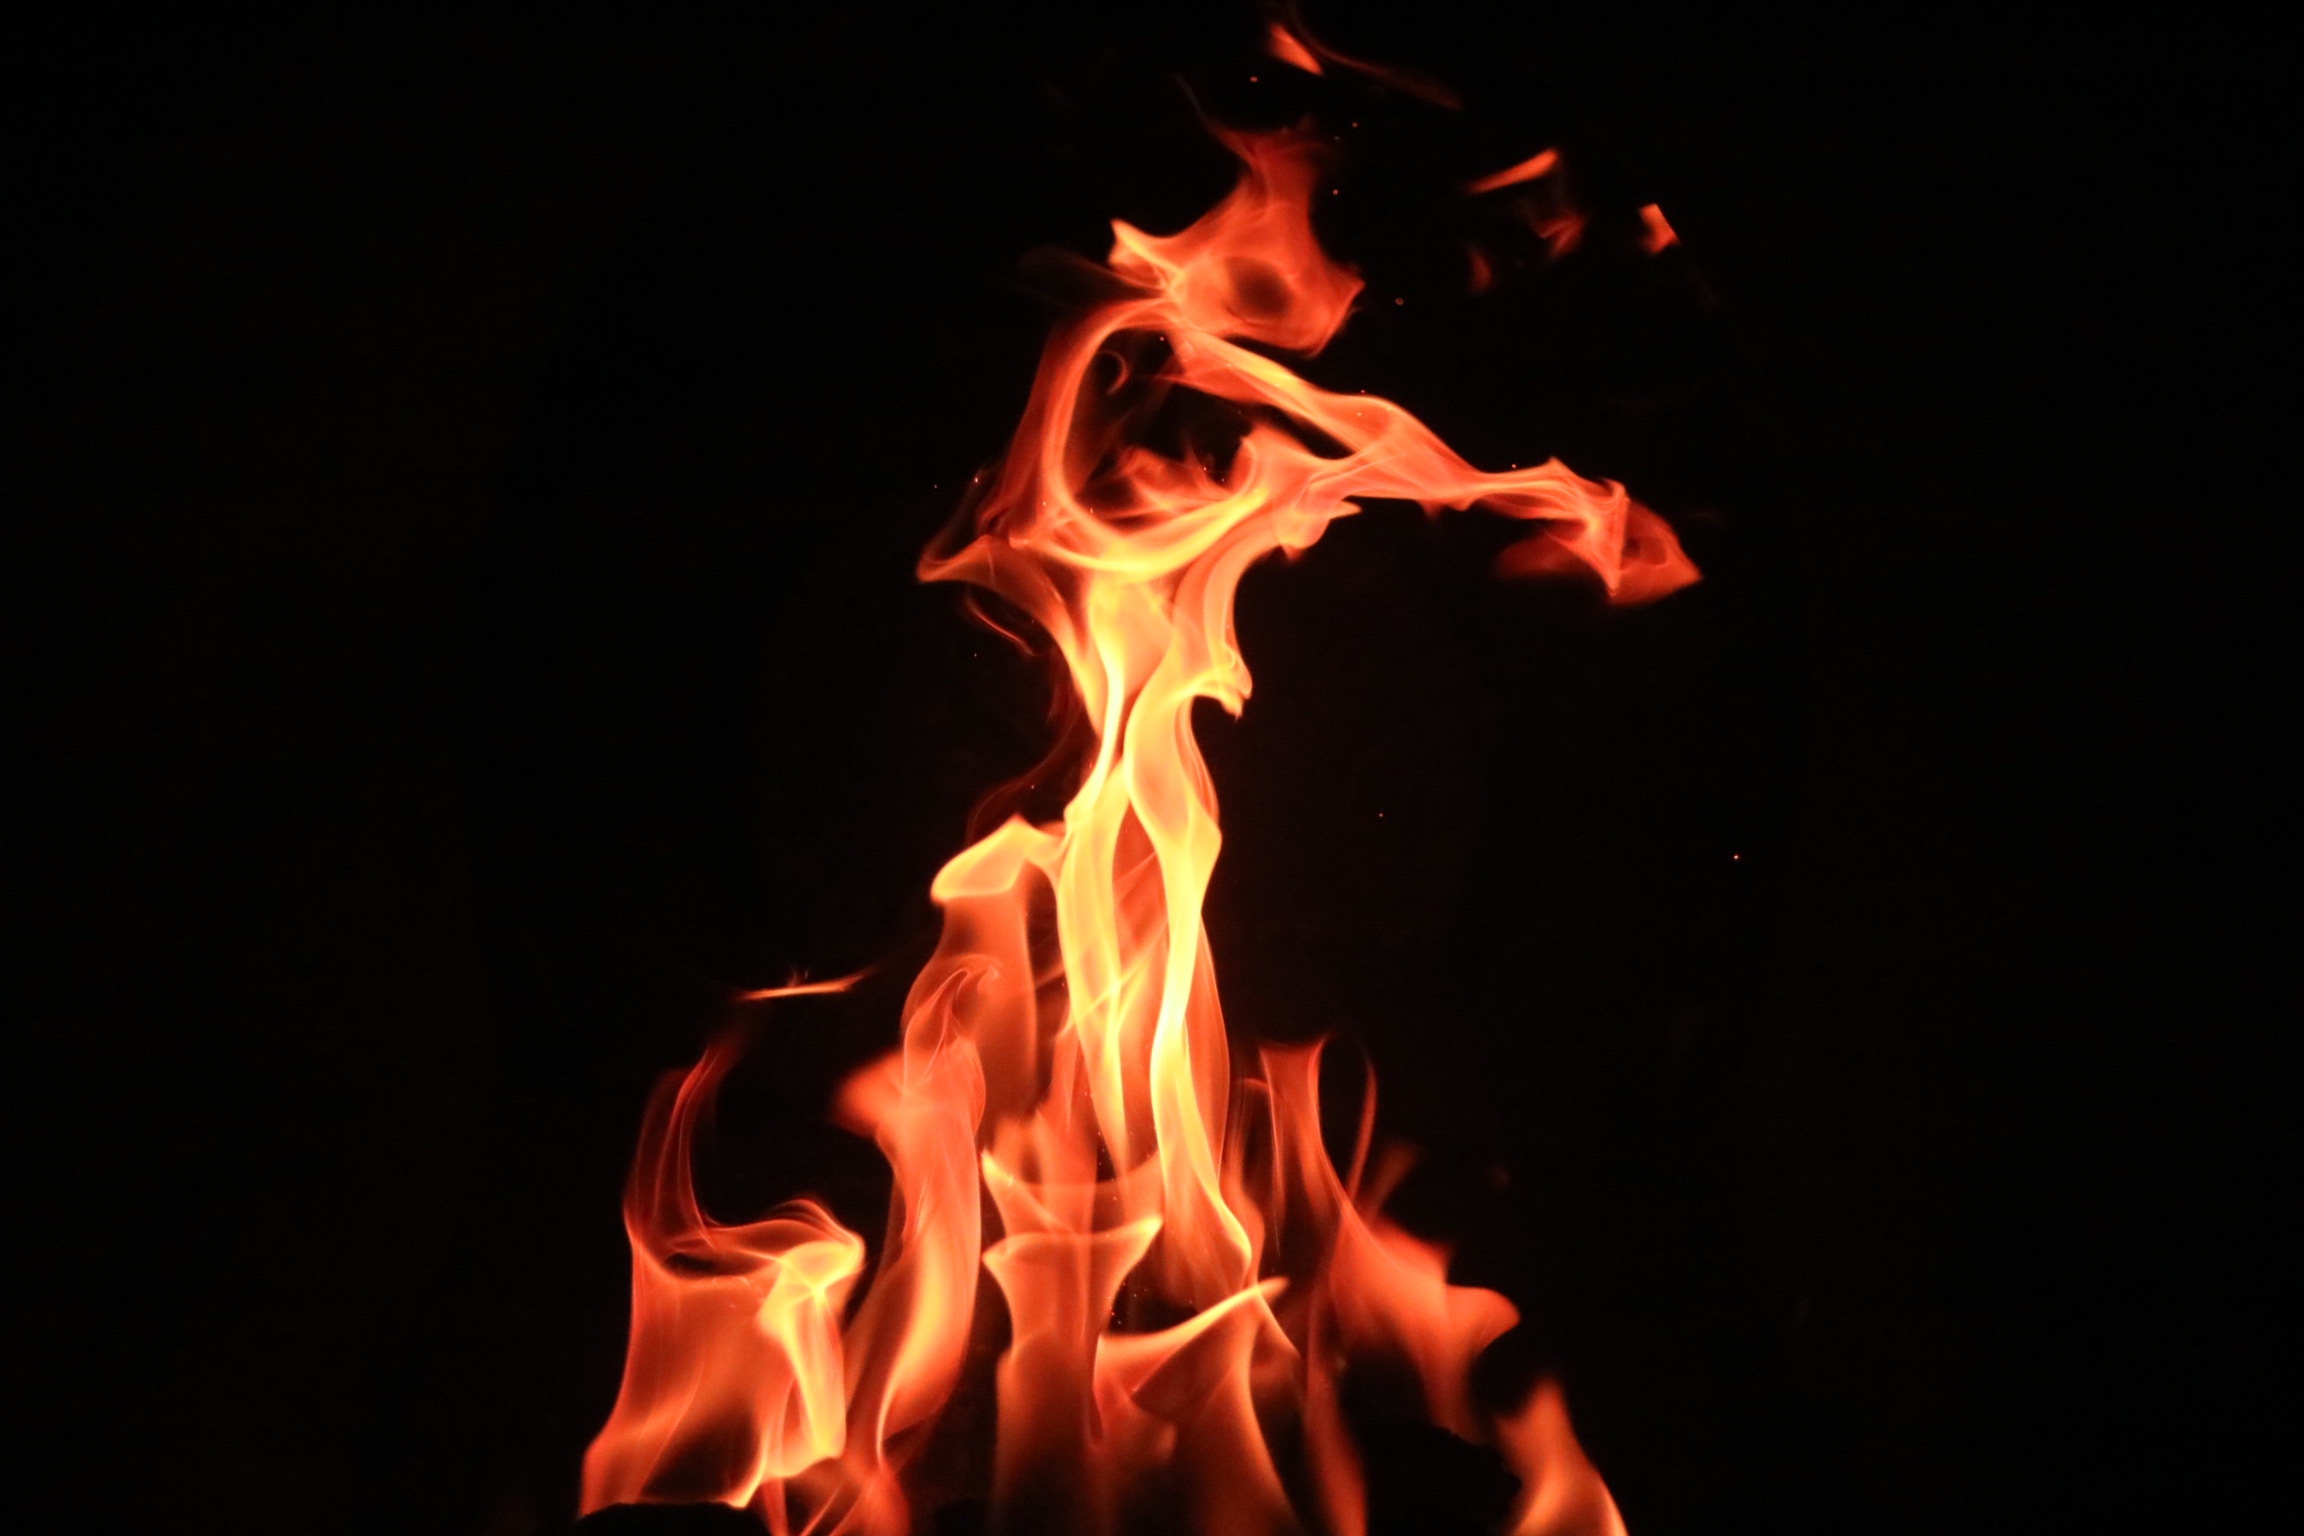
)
(1182, 1268)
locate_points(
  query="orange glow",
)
(1545, 206)
(1293, 42)
(1543, 163)
(733, 1377)
(1657, 230)
(803, 989)
(1285, 46)
(1560, 1494)
(1482, 276)
(1183, 1272)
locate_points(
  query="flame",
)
(1542, 163)
(1289, 40)
(1544, 204)
(1288, 48)
(1481, 276)
(1656, 231)
(1182, 1269)
(1559, 1491)
(733, 1376)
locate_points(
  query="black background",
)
(471, 635)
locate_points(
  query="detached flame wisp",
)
(1184, 1274)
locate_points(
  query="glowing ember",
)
(1185, 1275)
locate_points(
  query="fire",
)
(1184, 1274)
(1542, 163)
(1543, 204)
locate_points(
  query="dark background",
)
(470, 635)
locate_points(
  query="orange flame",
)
(1288, 48)
(1289, 40)
(1542, 163)
(1181, 1266)
(1545, 205)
